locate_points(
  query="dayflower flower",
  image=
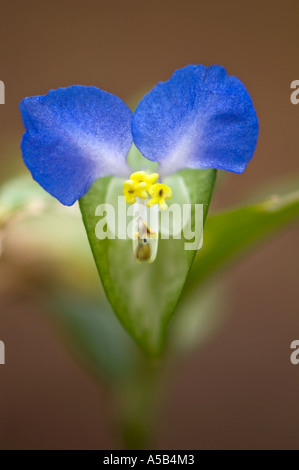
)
(200, 118)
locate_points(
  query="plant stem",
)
(137, 405)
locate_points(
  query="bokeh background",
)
(239, 390)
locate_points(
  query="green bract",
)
(144, 296)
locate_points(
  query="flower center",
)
(144, 186)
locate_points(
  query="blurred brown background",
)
(239, 390)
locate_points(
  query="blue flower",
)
(200, 118)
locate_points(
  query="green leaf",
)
(144, 296)
(228, 235)
(198, 317)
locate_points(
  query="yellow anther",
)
(133, 190)
(138, 186)
(144, 231)
(142, 177)
(159, 192)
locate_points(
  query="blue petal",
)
(73, 136)
(200, 118)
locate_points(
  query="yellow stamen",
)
(159, 192)
(138, 186)
(133, 190)
(142, 177)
